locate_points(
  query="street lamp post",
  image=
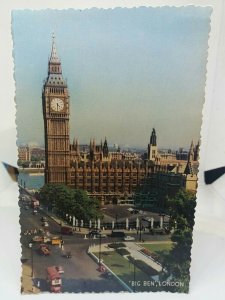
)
(140, 228)
(116, 220)
(32, 262)
(100, 246)
(134, 275)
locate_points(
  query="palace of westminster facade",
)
(103, 174)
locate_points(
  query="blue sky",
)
(127, 70)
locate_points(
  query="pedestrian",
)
(38, 284)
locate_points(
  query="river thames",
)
(31, 181)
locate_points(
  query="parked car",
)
(43, 219)
(34, 212)
(26, 207)
(129, 238)
(67, 230)
(118, 234)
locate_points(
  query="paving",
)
(28, 284)
(134, 250)
(81, 271)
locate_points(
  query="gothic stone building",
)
(103, 174)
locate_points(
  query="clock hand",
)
(57, 106)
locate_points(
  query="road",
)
(80, 271)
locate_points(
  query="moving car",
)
(95, 232)
(67, 254)
(45, 224)
(99, 235)
(41, 239)
(129, 238)
(44, 249)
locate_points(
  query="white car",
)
(45, 224)
(129, 238)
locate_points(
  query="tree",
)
(177, 262)
(55, 195)
(69, 201)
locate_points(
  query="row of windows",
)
(58, 145)
(58, 177)
(112, 179)
(56, 90)
(58, 127)
(111, 183)
(82, 173)
(55, 69)
(110, 175)
(105, 188)
(57, 160)
(111, 170)
(107, 191)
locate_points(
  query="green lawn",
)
(125, 270)
(157, 248)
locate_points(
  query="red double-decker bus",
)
(54, 280)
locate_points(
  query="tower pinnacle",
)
(54, 63)
(54, 58)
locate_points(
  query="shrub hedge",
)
(117, 245)
(122, 251)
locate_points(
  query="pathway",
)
(134, 250)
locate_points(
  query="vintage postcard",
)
(109, 108)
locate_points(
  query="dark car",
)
(118, 234)
(43, 219)
(95, 232)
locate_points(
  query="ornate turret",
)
(153, 138)
(105, 149)
(191, 152)
(54, 64)
(196, 151)
(55, 78)
(152, 146)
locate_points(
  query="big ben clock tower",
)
(55, 99)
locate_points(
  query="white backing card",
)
(208, 260)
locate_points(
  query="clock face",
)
(57, 104)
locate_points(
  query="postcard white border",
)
(208, 262)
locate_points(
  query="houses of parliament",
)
(104, 174)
